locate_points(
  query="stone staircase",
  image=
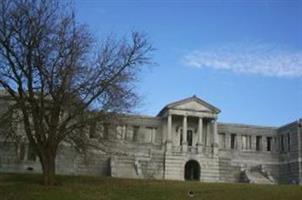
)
(228, 173)
(137, 166)
(256, 175)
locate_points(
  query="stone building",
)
(183, 142)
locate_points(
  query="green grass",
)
(28, 187)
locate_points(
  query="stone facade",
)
(183, 142)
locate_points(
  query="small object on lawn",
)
(30, 168)
(191, 194)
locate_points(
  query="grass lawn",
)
(28, 187)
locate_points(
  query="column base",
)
(215, 151)
(215, 148)
(168, 146)
(199, 148)
(184, 148)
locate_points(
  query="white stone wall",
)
(145, 157)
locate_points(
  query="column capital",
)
(214, 120)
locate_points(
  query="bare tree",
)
(58, 76)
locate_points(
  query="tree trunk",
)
(49, 168)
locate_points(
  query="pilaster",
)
(184, 133)
(200, 129)
(169, 134)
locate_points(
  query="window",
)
(190, 137)
(31, 154)
(233, 141)
(282, 143)
(106, 131)
(22, 151)
(180, 139)
(222, 140)
(258, 143)
(268, 143)
(135, 133)
(288, 142)
(92, 132)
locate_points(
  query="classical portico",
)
(191, 126)
(191, 140)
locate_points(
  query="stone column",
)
(184, 134)
(208, 135)
(263, 147)
(169, 135)
(124, 132)
(200, 127)
(272, 144)
(153, 135)
(228, 140)
(215, 137)
(238, 142)
(253, 138)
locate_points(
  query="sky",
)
(244, 57)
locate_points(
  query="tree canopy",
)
(60, 77)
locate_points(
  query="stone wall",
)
(246, 157)
(175, 163)
(290, 170)
(135, 147)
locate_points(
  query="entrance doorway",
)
(190, 138)
(192, 171)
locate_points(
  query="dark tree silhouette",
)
(59, 77)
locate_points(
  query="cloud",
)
(261, 59)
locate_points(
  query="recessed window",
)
(135, 133)
(282, 143)
(190, 137)
(233, 141)
(92, 128)
(268, 143)
(288, 142)
(22, 151)
(105, 131)
(31, 154)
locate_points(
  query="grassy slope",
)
(25, 187)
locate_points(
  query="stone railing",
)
(192, 149)
(177, 148)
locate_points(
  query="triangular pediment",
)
(192, 104)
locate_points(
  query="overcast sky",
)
(244, 58)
